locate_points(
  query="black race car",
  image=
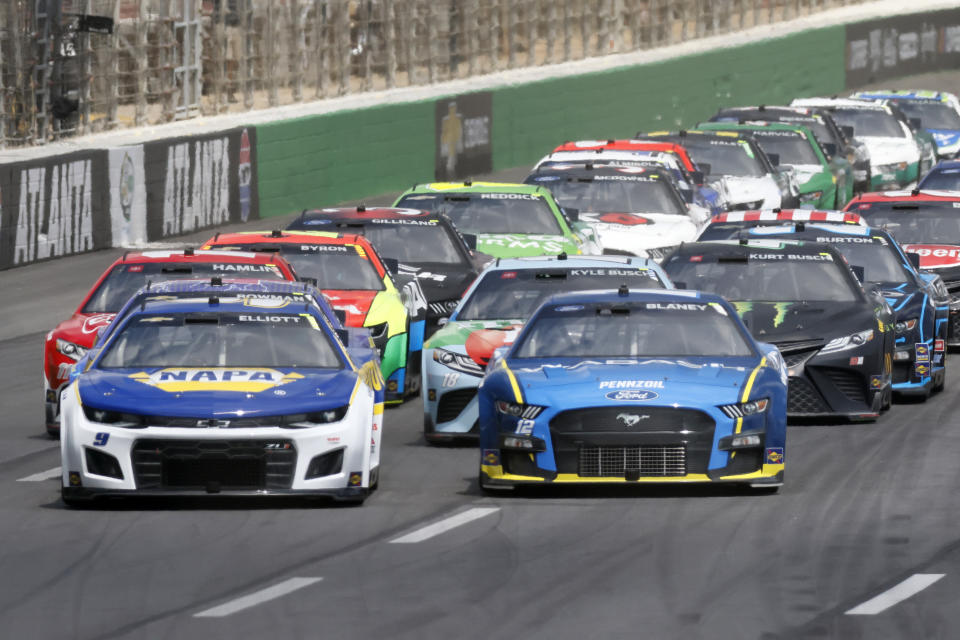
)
(836, 339)
(425, 245)
(919, 303)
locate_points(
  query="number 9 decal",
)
(101, 438)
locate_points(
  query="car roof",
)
(361, 213)
(572, 262)
(475, 187)
(613, 296)
(227, 285)
(723, 136)
(916, 195)
(197, 255)
(213, 304)
(588, 169)
(755, 126)
(910, 94)
(850, 103)
(789, 215)
(278, 236)
(717, 247)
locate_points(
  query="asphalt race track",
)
(866, 524)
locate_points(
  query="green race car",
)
(823, 184)
(509, 220)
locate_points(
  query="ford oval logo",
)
(634, 395)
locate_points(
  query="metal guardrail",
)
(167, 60)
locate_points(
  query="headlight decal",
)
(845, 343)
(71, 350)
(457, 361)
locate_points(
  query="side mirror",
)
(830, 149)
(774, 159)
(310, 281)
(341, 316)
(698, 177)
(858, 271)
(704, 168)
(847, 130)
(498, 354)
(392, 264)
(344, 336)
(470, 239)
(914, 259)
(679, 284)
(572, 215)
(915, 123)
(442, 322)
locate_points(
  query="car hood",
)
(806, 172)
(356, 304)
(935, 256)
(517, 245)
(216, 392)
(636, 232)
(890, 150)
(81, 328)
(741, 189)
(780, 321)
(441, 282)
(476, 338)
(569, 382)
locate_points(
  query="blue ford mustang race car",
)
(244, 395)
(634, 386)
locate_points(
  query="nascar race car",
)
(509, 220)
(634, 210)
(239, 395)
(70, 340)
(822, 184)
(836, 339)
(727, 226)
(844, 153)
(943, 177)
(690, 180)
(749, 179)
(919, 305)
(898, 157)
(937, 111)
(355, 280)
(490, 315)
(634, 386)
(425, 245)
(927, 225)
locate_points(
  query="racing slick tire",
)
(73, 501)
(941, 381)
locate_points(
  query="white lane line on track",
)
(257, 597)
(445, 525)
(909, 587)
(49, 474)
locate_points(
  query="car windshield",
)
(338, 267)
(942, 180)
(793, 148)
(415, 243)
(937, 223)
(765, 276)
(651, 329)
(933, 114)
(254, 339)
(869, 122)
(481, 213)
(725, 158)
(880, 261)
(503, 295)
(623, 193)
(124, 279)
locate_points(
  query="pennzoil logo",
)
(250, 380)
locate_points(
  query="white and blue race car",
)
(241, 395)
(491, 314)
(634, 386)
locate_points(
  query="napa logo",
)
(182, 379)
(632, 395)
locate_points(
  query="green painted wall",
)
(320, 160)
(531, 119)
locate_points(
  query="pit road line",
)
(454, 521)
(257, 597)
(49, 474)
(909, 587)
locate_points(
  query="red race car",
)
(71, 339)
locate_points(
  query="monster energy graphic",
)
(780, 310)
(463, 136)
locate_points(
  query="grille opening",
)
(452, 404)
(327, 464)
(236, 473)
(632, 461)
(103, 464)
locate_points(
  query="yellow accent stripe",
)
(746, 392)
(513, 382)
(495, 472)
(378, 409)
(356, 387)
